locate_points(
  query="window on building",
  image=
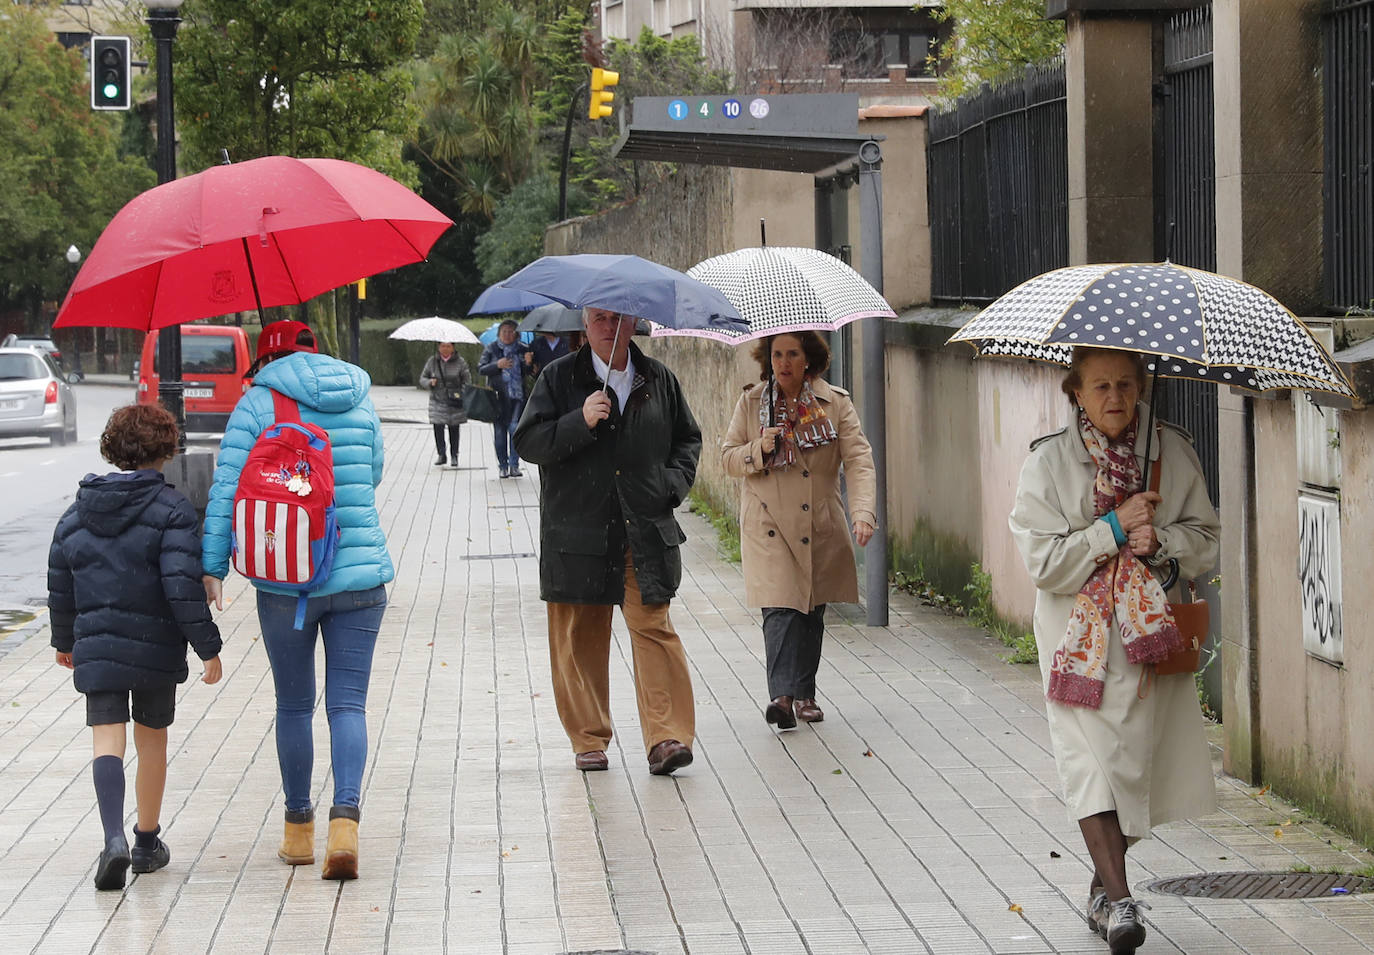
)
(868, 53)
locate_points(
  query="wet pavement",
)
(921, 816)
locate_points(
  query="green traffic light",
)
(111, 91)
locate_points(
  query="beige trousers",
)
(579, 651)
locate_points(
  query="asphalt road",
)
(37, 483)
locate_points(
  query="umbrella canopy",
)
(782, 289)
(434, 329)
(270, 231)
(497, 299)
(1195, 324)
(489, 334)
(552, 318)
(630, 285)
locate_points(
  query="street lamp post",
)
(73, 257)
(163, 21)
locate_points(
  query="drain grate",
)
(1263, 885)
(496, 556)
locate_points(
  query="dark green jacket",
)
(610, 487)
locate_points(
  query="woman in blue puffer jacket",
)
(346, 610)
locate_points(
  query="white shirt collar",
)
(621, 382)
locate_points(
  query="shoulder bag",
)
(1192, 618)
(481, 403)
(453, 397)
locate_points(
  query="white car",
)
(36, 397)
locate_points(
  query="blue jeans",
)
(504, 428)
(349, 623)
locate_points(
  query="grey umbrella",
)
(552, 318)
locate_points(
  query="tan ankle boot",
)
(341, 856)
(298, 841)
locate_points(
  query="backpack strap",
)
(284, 408)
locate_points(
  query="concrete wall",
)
(1314, 739)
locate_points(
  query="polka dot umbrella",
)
(1191, 323)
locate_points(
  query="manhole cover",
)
(1263, 885)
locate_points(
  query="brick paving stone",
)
(907, 822)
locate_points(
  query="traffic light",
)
(600, 105)
(109, 72)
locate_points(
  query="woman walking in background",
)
(445, 373)
(504, 362)
(790, 436)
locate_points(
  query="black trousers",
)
(452, 440)
(792, 642)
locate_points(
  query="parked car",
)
(214, 360)
(36, 398)
(42, 342)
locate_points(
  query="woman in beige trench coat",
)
(794, 537)
(1129, 745)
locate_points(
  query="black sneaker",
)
(150, 860)
(440, 461)
(113, 864)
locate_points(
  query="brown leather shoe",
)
(808, 712)
(592, 762)
(668, 756)
(779, 711)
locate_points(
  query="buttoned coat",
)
(795, 541)
(1146, 759)
(439, 376)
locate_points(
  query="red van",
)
(214, 359)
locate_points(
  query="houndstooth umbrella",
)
(781, 289)
(1196, 324)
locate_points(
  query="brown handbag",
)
(1192, 618)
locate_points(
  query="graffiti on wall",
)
(1319, 569)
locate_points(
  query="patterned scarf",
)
(1120, 591)
(810, 428)
(513, 378)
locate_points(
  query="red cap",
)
(281, 337)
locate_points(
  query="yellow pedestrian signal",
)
(600, 105)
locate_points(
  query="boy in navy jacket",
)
(125, 597)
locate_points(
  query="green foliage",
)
(59, 160)
(651, 66)
(516, 236)
(725, 523)
(307, 78)
(991, 38)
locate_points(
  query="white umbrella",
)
(785, 289)
(434, 329)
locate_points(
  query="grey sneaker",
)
(1097, 910)
(1125, 931)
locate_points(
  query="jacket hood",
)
(109, 503)
(317, 381)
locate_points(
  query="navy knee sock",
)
(146, 840)
(109, 793)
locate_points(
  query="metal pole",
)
(567, 147)
(875, 374)
(170, 389)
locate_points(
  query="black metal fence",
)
(1349, 96)
(1189, 224)
(997, 177)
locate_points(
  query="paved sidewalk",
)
(921, 816)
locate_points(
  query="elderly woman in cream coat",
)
(1129, 745)
(794, 537)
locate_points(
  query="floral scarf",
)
(1121, 590)
(810, 428)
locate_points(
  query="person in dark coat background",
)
(547, 347)
(505, 362)
(125, 598)
(613, 467)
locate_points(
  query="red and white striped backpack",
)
(285, 531)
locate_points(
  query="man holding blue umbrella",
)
(617, 448)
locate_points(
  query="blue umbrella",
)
(630, 285)
(498, 299)
(489, 336)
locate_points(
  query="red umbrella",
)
(270, 231)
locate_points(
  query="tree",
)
(516, 236)
(63, 177)
(992, 38)
(306, 78)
